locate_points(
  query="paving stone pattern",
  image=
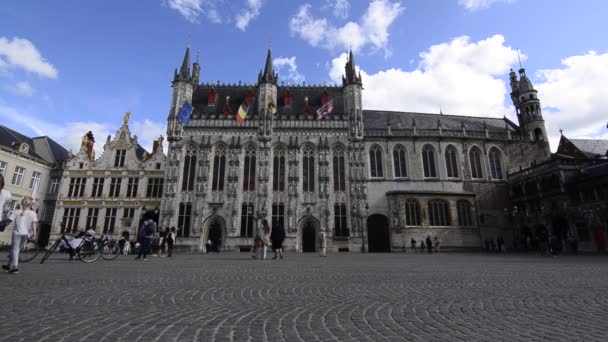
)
(346, 297)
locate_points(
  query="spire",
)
(268, 75)
(350, 74)
(184, 71)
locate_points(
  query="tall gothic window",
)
(375, 162)
(184, 219)
(278, 170)
(428, 162)
(475, 160)
(278, 215)
(451, 162)
(247, 226)
(339, 169)
(412, 212)
(308, 169)
(189, 170)
(219, 167)
(495, 163)
(439, 213)
(249, 169)
(464, 213)
(341, 228)
(399, 161)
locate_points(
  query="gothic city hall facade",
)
(310, 159)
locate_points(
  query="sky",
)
(72, 66)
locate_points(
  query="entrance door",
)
(309, 238)
(378, 234)
(215, 234)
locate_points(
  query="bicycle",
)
(110, 249)
(87, 251)
(29, 251)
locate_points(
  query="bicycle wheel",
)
(50, 251)
(29, 251)
(110, 250)
(88, 251)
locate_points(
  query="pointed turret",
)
(268, 76)
(350, 72)
(184, 71)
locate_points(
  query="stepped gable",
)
(238, 93)
(377, 119)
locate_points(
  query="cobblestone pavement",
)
(346, 297)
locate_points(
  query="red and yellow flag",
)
(242, 113)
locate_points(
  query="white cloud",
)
(473, 5)
(287, 68)
(248, 14)
(372, 28)
(575, 96)
(192, 9)
(22, 88)
(339, 8)
(21, 53)
(462, 77)
(69, 134)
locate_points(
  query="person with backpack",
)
(146, 235)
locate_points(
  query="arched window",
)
(475, 160)
(189, 169)
(249, 169)
(339, 169)
(219, 167)
(375, 162)
(495, 163)
(412, 212)
(308, 169)
(278, 170)
(465, 218)
(428, 162)
(538, 134)
(439, 213)
(399, 161)
(451, 162)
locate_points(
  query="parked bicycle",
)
(29, 251)
(110, 249)
(87, 249)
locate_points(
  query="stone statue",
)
(125, 120)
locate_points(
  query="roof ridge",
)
(442, 115)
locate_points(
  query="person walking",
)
(146, 235)
(437, 246)
(322, 244)
(277, 237)
(26, 222)
(257, 240)
(429, 244)
(266, 232)
(170, 242)
(5, 199)
(413, 244)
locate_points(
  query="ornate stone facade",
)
(109, 194)
(371, 179)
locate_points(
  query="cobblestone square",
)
(345, 297)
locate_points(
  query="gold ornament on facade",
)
(145, 156)
(125, 120)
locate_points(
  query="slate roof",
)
(238, 94)
(41, 148)
(592, 148)
(376, 119)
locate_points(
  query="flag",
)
(242, 113)
(272, 108)
(184, 114)
(325, 110)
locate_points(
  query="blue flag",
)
(184, 113)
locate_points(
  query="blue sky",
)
(71, 66)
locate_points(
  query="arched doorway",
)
(213, 229)
(309, 237)
(378, 234)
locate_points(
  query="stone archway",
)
(308, 233)
(214, 229)
(378, 234)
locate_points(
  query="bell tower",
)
(353, 106)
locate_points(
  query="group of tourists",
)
(25, 225)
(268, 237)
(151, 239)
(428, 245)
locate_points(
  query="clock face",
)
(24, 148)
